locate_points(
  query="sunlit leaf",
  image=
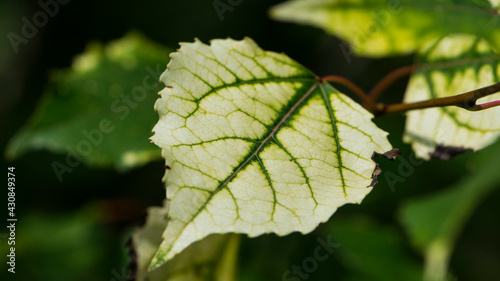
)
(388, 27)
(254, 144)
(435, 221)
(213, 258)
(451, 66)
(98, 111)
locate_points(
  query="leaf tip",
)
(391, 154)
(375, 175)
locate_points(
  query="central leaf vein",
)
(339, 149)
(255, 152)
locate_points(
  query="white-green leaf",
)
(255, 144)
(451, 66)
(388, 27)
(213, 258)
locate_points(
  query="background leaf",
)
(495, 3)
(386, 27)
(213, 258)
(255, 144)
(72, 240)
(361, 243)
(105, 100)
(434, 222)
(451, 66)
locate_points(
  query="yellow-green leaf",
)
(451, 66)
(388, 27)
(254, 143)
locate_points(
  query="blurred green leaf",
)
(388, 27)
(213, 258)
(8, 10)
(435, 221)
(100, 111)
(373, 252)
(453, 65)
(60, 247)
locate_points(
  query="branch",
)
(466, 100)
(367, 101)
(382, 85)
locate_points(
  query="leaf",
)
(451, 66)
(98, 111)
(72, 239)
(254, 144)
(434, 222)
(213, 258)
(387, 27)
(368, 249)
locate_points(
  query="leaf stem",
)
(466, 100)
(367, 101)
(383, 84)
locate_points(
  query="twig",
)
(353, 87)
(383, 84)
(466, 100)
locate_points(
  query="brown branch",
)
(466, 100)
(383, 84)
(353, 87)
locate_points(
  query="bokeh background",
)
(78, 229)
